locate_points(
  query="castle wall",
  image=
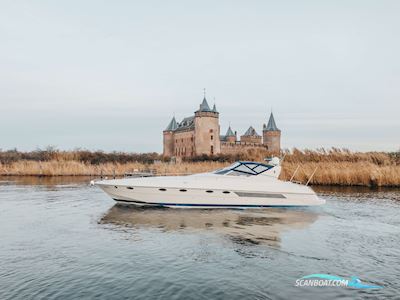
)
(239, 147)
(250, 139)
(184, 145)
(206, 133)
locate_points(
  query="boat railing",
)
(152, 174)
(309, 177)
(139, 174)
(174, 174)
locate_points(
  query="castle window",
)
(211, 131)
(212, 150)
(212, 137)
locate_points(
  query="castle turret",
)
(206, 133)
(272, 135)
(230, 137)
(168, 136)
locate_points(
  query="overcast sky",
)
(110, 74)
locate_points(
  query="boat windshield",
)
(244, 169)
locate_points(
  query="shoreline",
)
(110, 176)
(336, 173)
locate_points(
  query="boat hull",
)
(201, 198)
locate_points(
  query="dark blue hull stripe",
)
(204, 205)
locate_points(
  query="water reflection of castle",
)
(200, 134)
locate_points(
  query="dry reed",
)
(334, 166)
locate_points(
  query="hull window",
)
(226, 192)
(130, 188)
(183, 190)
(209, 191)
(259, 195)
(162, 190)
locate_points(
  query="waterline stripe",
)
(206, 205)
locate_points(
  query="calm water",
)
(62, 239)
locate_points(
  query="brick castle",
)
(200, 134)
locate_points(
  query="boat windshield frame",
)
(244, 168)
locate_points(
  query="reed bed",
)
(334, 166)
(343, 173)
(76, 168)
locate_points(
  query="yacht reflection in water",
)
(241, 226)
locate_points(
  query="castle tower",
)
(230, 137)
(272, 135)
(206, 130)
(168, 138)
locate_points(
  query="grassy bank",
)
(334, 166)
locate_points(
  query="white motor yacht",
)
(242, 185)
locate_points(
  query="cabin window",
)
(260, 169)
(238, 173)
(244, 168)
(222, 171)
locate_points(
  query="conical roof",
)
(214, 108)
(271, 126)
(172, 125)
(204, 105)
(251, 132)
(229, 132)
